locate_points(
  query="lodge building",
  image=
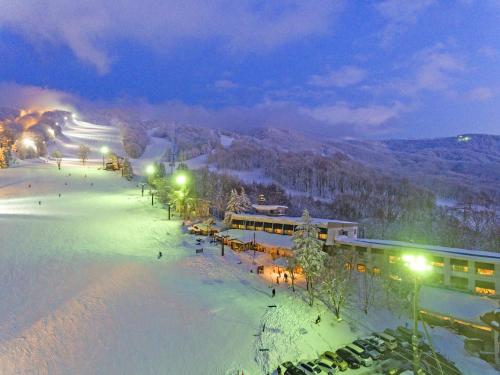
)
(285, 225)
(459, 269)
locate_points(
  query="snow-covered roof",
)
(263, 238)
(263, 207)
(292, 220)
(490, 255)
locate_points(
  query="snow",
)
(154, 152)
(261, 237)
(225, 140)
(456, 304)
(82, 291)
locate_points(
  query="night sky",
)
(369, 69)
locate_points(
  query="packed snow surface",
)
(82, 290)
(84, 293)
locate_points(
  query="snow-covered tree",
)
(4, 161)
(83, 153)
(336, 280)
(231, 208)
(244, 202)
(291, 266)
(56, 154)
(127, 170)
(308, 250)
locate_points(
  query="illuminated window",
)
(376, 271)
(485, 287)
(393, 259)
(323, 236)
(348, 266)
(437, 262)
(485, 269)
(459, 265)
(361, 267)
(278, 230)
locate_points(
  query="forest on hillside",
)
(387, 206)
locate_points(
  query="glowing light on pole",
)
(150, 169)
(181, 180)
(418, 265)
(104, 152)
(29, 143)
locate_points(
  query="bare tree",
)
(336, 280)
(291, 266)
(83, 153)
(366, 289)
(58, 157)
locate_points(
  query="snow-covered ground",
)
(83, 293)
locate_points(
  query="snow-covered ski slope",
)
(83, 293)
(77, 132)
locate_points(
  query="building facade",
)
(329, 230)
(459, 269)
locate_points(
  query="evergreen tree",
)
(127, 170)
(308, 250)
(244, 202)
(4, 162)
(231, 208)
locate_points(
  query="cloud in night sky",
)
(90, 27)
(383, 68)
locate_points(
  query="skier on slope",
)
(160, 254)
(274, 292)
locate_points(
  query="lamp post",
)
(418, 265)
(150, 171)
(181, 180)
(104, 152)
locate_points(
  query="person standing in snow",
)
(274, 292)
(160, 254)
(318, 319)
(279, 370)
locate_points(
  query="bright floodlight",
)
(416, 263)
(104, 150)
(66, 118)
(181, 179)
(51, 132)
(29, 143)
(150, 169)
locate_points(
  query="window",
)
(278, 230)
(361, 267)
(323, 236)
(376, 271)
(268, 227)
(378, 251)
(459, 282)
(484, 287)
(437, 262)
(459, 265)
(348, 266)
(485, 269)
(393, 259)
(259, 226)
(436, 278)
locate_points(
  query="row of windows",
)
(481, 287)
(322, 235)
(457, 265)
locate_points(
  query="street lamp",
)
(418, 265)
(150, 169)
(104, 152)
(181, 180)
